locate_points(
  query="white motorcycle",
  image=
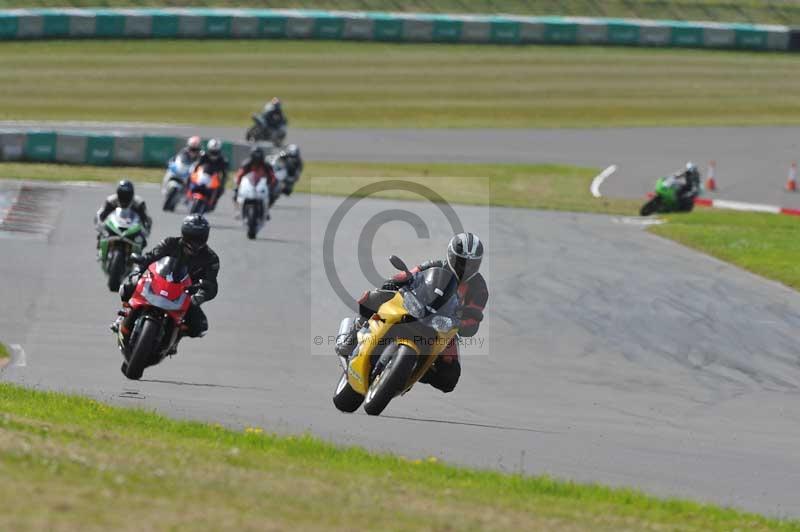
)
(253, 198)
(175, 179)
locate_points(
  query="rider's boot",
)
(346, 339)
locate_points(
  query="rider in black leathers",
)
(464, 256)
(126, 199)
(271, 117)
(203, 265)
(689, 188)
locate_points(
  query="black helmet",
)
(125, 193)
(464, 255)
(194, 233)
(257, 154)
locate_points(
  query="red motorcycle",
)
(159, 304)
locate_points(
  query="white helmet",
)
(214, 148)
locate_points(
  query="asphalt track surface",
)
(752, 162)
(611, 355)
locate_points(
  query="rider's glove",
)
(197, 300)
(391, 285)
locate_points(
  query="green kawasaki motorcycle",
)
(665, 198)
(121, 235)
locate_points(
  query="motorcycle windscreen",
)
(122, 219)
(172, 269)
(430, 291)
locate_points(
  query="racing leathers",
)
(258, 165)
(271, 119)
(137, 205)
(215, 165)
(203, 266)
(473, 295)
(688, 190)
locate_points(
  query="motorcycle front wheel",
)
(116, 269)
(651, 207)
(251, 216)
(146, 345)
(389, 382)
(346, 399)
(172, 199)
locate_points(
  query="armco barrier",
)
(98, 149)
(200, 23)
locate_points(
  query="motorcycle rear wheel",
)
(116, 269)
(198, 207)
(146, 344)
(346, 399)
(389, 382)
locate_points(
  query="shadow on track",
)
(468, 424)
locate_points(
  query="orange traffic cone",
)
(791, 181)
(711, 183)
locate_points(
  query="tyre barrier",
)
(100, 149)
(197, 23)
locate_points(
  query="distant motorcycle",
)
(159, 302)
(204, 187)
(665, 198)
(175, 179)
(121, 235)
(261, 131)
(253, 198)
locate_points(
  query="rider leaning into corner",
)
(202, 263)
(689, 186)
(464, 256)
(271, 117)
(215, 162)
(126, 199)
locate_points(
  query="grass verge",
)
(74, 463)
(557, 187)
(345, 84)
(5, 356)
(764, 244)
(720, 10)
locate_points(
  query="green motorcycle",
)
(665, 198)
(121, 235)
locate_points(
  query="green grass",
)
(4, 355)
(764, 244)
(333, 84)
(774, 11)
(542, 186)
(74, 463)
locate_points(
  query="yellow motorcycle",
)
(401, 341)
